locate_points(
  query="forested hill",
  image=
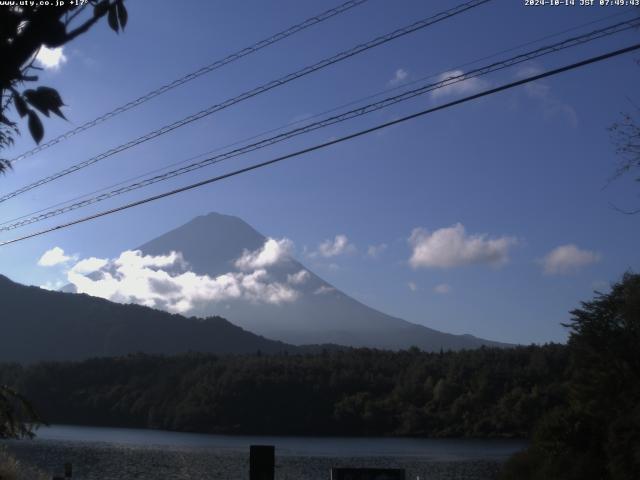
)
(474, 393)
(37, 324)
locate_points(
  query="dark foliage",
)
(596, 435)
(625, 135)
(17, 417)
(473, 393)
(23, 31)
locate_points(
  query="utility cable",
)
(360, 133)
(256, 91)
(402, 86)
(372, 107)
(195, 74)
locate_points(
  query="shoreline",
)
(430, 448)
(496, 438)
(105, 461)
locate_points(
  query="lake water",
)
(431, 449)
(120, 453)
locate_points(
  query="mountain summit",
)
(211, 245)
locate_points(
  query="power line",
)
(318, 115)
(256, 91)
(402, 86)
(360, 133)
(309, 22)
(372, 107)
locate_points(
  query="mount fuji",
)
(311, 311)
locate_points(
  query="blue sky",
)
(489, 189)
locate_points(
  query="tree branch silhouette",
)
(23, 32)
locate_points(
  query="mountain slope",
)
(321, 314)
(37, 324)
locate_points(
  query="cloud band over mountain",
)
(164, 281)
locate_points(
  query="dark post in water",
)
(262, 462)
(367, 474)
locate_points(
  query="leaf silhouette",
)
(123, 16)
(101, 8)
(35, 126)
(46, 100)
(113, 18)
(21, 105)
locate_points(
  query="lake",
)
(99, 453)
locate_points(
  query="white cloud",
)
(51, 58)
(135, 259)
(399, 76)
(136, 278)
(567, 259)
(298, 278)
(455, 83)
(374, 251)
(442, 289)
(452, 247)
(541, 91)
(89, 265)
(323, 290)
(272, 252)
(536, 89)
(528, 70)
(332, 248)
(53, 257)
(257, 287)
(412, 286)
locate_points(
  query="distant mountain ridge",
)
(37, 324)
(210, 245)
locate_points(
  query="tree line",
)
(476, 393)
(594, 434)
